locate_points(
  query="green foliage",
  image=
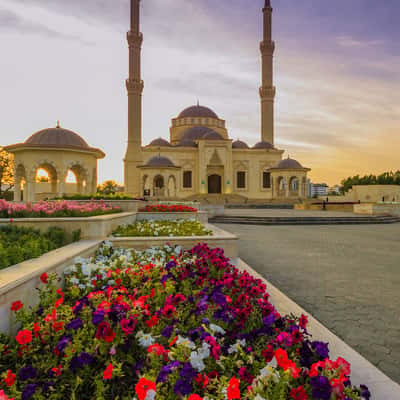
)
(153, 228)
(6, 172)
(109, 187)
(19, 244)
(97, 196)
(387, 178)
(76, 235)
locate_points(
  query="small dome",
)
(160, 161)
(212, 136)
(160, 142)
(238, 144)
(263, 145)
(289, 163)
(57, 137)
(197, 111)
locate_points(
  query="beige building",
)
(371, 194)
(200, 158)
(59, 153)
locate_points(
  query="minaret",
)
(267, 89)
(134, 85)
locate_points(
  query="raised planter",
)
(91, 227)
(201, 216)
(20, 281)
(219, 238)
(378, 209)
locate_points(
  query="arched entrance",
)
(214, 184)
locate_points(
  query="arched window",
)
(159, 182)
(241, 179)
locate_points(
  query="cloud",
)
(348, 41)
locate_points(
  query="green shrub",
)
(18, 244)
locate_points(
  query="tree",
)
(387, 178)
(109, 187)
(6, 172)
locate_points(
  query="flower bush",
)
(55, 209)
(18, 244)
(168, 208)
(162, 324)
(189, 227)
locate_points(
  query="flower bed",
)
(162, 324)
(21, 244)
(153, 228)
(168, 208)
(55, 209)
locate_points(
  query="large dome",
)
(198, 111)
(199, 132)
(263, 145)
(57, 137)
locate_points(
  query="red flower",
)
(44, 277)
(3, 396)
(303, 321)
(268, 353)
(195, 397)
(105, 332)
(24, 337)
(107, 374)
(57, 326)
(233, 391)
(9, 379)
(152, 322)
(143, 386)
(298, 393)
(16, 306)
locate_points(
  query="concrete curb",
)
(363, 372)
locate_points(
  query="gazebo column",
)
(287, 187)
(61, 188)
(17, 190)
(30, 191)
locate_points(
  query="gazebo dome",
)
(289, 163)
(198, 111)
(263, 145)
(187, 143)
(160, 162)
(238, 144)
(160, 142)
(57, 137)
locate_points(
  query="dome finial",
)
(58, 124)
(198, 103)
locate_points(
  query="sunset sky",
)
(337, 73)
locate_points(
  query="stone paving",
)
(348, 277)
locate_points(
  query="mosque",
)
(200, 159)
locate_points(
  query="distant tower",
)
(134, 85)
(267, 89)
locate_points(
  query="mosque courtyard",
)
(347, 277)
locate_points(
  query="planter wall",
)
(220, 238)
(377, 209)
(201, 216)
(91, 227)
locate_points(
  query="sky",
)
(337, 73)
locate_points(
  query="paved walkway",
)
(248, 212)
(348, 277)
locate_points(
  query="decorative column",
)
(17, 189)
(267, 89)
(134, 86)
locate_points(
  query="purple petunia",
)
(29, 391)
(182, 387)
(80, 361)
(27, 372)
(98, 317)
(321, 349)
(75, 324)
(63, 343)
(321, 388)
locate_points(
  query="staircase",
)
(371, 220)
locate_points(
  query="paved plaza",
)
(248, 212)
(348, 277)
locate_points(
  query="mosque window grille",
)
(241, 179)
(187, 179)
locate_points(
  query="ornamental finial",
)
(58, 124)
(267, 3)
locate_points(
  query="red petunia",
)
(9, 379)
(303, 321)
(24, 337)
(107, 374)
(16, 306)
(143, 386)
(44, 277)
(233, 391)
(298, 394)
(152, 322)
(195, 397)
(105, 332)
